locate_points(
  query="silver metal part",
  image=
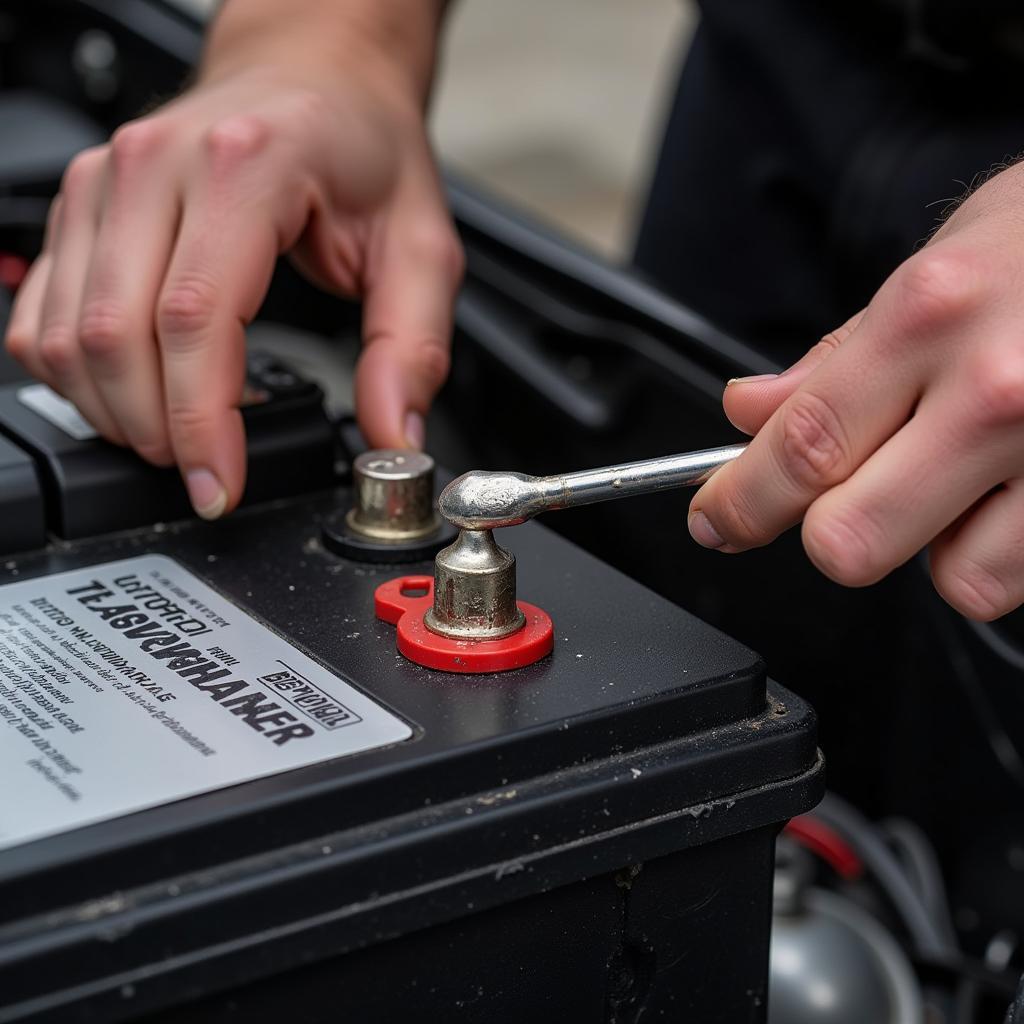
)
(830, 960)
(486, 501)
(394, 491)
(474, 590)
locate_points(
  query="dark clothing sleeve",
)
(807, 152)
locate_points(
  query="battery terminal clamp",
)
(473, 604)
(466, 618)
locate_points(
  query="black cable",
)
(998, 644)
(948, 971)
(923, 867)
(1004, 749)
(966, 674)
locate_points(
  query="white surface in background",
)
(59, 411)
(559, 104)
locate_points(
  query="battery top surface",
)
(629, 670)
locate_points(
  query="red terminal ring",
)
(404, 601)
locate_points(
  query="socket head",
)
(489, 500)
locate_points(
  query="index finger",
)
(218, 275)
(407, 325)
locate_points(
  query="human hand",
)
(902, 429)
(161, 245)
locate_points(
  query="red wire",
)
(827, 844)
(12, 270)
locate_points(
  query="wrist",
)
(393, 43)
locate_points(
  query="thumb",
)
(750, 401)
(407, 326)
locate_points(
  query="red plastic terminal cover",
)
(404, 601)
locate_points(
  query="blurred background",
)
(560, 106)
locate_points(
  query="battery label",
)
(132, 684)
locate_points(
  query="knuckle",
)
(813, 449)
(433, 360)
(826, 345)
(830, 342)
(79, 173)
(438, 245)
(842, 546)
(308, 105)
(735, 521)
(18, 343)
(938, 285)
(845, 330)
(997, 387)
(136, 142)
(188, 424)
(185, 309)
(102, 330)
(57, 349)
(453, 258)
(971, 589)
(233, 140)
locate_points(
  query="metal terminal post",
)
(474, 590)
(394, 492)
(486, 501)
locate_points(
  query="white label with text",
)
(132, 684)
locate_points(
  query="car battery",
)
(228, 796)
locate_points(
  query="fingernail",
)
(703, 532)
(750, 380)
(208, 497)
(415, 430)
